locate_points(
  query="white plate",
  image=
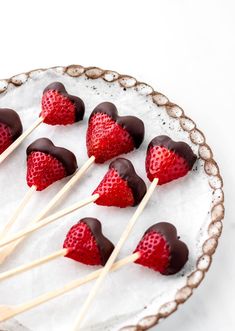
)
(133, 296)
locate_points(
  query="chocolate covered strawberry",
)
(109, 135)
(59, 107)
(168, 160)
(84, 243)
(10, 128)
(161, 250)
(121, 186)
(47, 163)
(87, 244)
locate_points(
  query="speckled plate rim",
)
(205, 153)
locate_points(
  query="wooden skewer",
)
(31, 265)
(18, 210)
(49, 220)
(114, 255)
(7, 312)
(18, 141)
(4, 253)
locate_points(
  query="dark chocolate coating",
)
(12, 120)
(79, 104)
(127, 172)
(133, 125)
(178, 249)
(105, 246)
(66, 157)
(179, 147)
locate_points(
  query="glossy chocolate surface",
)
(133, 125)
(178, 249)
(12, 120)
(66, 157)
(79, 104)
(105, 246)
(180, 148)
(127, 172)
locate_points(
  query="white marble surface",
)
(186, 49)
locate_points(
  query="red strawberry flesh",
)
(114, 191)
(168, 160)
(106, 138)
(57, 109)
(161, 250)
(43, 170)
(165, 165)
(5, 137)
(10, 128)
(82, 246)
(47, 163)
(154, 252)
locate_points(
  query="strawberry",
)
(109, 135)
(47, 163)
(161, 250)
(114, 191)
(43, 170)
(59, 107)
(5, 137)
(121, 186)
(10, 128)
(86, 243)
(168, 160)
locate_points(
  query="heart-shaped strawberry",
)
(109, 135)
(161, 250)
(47, 163)
(59, 107)
(10, 128)
(121, 186)
(87, 244)
(168, 160)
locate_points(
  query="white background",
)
(183, 48)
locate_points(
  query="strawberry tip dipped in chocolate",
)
(10, 128)
(87, 244)
(168, 160)
(47, 163)
(109, 135)
(84, 243)
(121, 186)
(161, 250)
(59, 107)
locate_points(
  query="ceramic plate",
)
(134, 297)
